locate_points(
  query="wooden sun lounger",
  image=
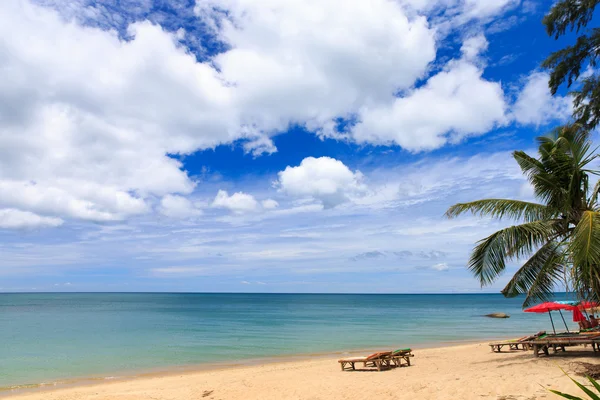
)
(402, 355)
(512, 345)
(557, 342)
(380, 360)
(377, 360)
(516, 344)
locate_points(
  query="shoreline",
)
(465, 371)
(159, 372)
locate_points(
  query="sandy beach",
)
(458, 372)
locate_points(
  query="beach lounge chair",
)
(516, 344)
(401, 355)
(377, 360)
(560, 341)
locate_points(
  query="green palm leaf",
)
(593, 199)
(488, 259)
(585, 240)
(587, 391)
(565, 395)
(500, 208)
(560, 233)
(538, 276)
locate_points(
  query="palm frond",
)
(528, 164)
(560, 236)
(585, 280)
(593, 199)
(488, 259)
(539, 275)
(501, 208)
(546, 183)
(585, 240)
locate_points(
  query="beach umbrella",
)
(588, 305)
(577, 315)
(548, 307)
(585, 306)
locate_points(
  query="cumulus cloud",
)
(238, 202)
(298, 53)
(174, 206)
(324, 179)
(536, 106)
(88, 106)
(269, 204)
(440, 267)
(473, 46)
(88, 119)
(16, 219)
(454, 103)
(86, 200)
(312, 246)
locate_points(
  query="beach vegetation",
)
(589, 392)
(557, 235)
(579, 60)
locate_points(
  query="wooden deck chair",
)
(377, 360)
(516, 344)
(401, 355)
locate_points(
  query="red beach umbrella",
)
(577, 315)
(587, 305)
(548, 307)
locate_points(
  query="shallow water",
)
(52, 337)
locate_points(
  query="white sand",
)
(458, 373)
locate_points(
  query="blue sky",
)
(262, 145)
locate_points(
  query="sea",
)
(48, 339)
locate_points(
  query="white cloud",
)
(536, 106)
(440, 267)
(530, 6)
(90, 108)
(284, 245)
(90, 118)
(312, 60)
(174, 206)
(324, 179)
(473, 46)
(269, 204)
(482, 9)
(454, 14)
(84, 200)
(434, 180)
(87, 120)
(16, 219)
(238, 202)
(455, 103)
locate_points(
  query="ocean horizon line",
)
(272, 293)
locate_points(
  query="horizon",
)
(297, 293)
(236, 146)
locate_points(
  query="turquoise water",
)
(50, 337)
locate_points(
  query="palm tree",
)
(560, 235)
